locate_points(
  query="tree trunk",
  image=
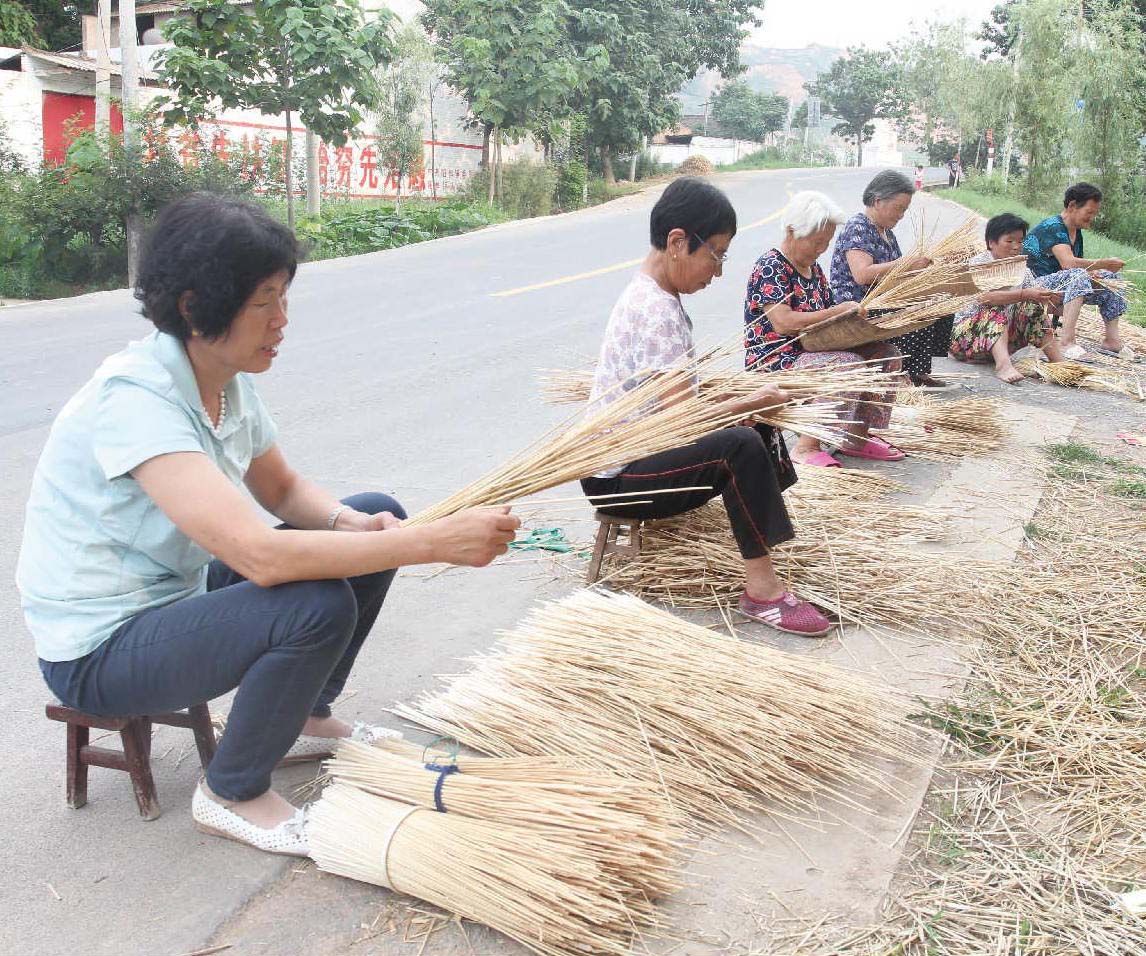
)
(498, 162)
(288, 156)
(433, 146)
(313, 197)
(490, 167)
(607, 166)
(485, 138)
(859, 149)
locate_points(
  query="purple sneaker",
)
(786, 613)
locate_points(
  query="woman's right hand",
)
(473, 537)
(1112, 264)
(767, 396)
(917, 262)
(1039, 296)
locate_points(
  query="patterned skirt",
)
(858, 406)
(975, 334)
(1076, 284)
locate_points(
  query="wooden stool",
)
(608, 528)
(135, 758)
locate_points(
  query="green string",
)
(543, 539)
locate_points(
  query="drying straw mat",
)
(1079, 375)
(931, 428)
(547, 895)
(664, 411)
(625, 826)
(720, 724)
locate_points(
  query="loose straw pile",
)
(934, 429)
(719, 724)
(543, 893)
(624, 825)
(854, 560)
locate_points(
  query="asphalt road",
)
(406, 371)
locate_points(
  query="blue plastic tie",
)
(442, 771)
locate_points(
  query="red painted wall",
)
(58, 110)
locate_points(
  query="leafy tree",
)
(57, 24)
(652, 47)
(999, 33)
(859, 87)
(317, 58)
(400, 112)
(800, 117)
(748, 114)
(18, 26)
(513, 60)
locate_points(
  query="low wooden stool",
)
(608, 528)
(135, 758)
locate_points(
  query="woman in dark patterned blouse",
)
(867, 250)
(788, 292)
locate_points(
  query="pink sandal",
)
(821, 459)
(876, 449)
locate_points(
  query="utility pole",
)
(103, 70)
(129, 95)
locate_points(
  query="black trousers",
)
(749, 467)
(922, 345)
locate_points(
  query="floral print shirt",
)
(861, 233)
(648, 330)
(774, 279)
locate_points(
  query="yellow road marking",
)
(620, 265)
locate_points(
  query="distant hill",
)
(769, 70)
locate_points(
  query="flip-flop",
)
(819, 459)
(1120, 354)
(876, 450)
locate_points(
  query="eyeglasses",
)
(712, 252)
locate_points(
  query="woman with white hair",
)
(788, 292)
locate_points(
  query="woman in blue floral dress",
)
(867, 250)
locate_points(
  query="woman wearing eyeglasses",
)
(691, 227)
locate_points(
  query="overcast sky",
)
(843, 23)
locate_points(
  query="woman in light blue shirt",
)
(147, 579)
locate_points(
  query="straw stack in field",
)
(719, 724)
(545, 894)
(626, 826)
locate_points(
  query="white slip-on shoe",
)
(286, 839)
(1074, 352)
(308, 748)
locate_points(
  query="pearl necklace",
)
(217, 426)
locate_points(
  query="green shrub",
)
(348, 229)
(648, 168)
(572, 178)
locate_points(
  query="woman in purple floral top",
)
(867, 250)
(788, 292)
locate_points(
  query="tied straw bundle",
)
(664, 411)
(626, 826)
(546, 895)
(719, 724)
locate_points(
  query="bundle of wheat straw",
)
(570, 386)
(919, 315)
(969, 426)
(958, 246)
(1078, 375)
(664, 411)
(625, 825)
(718, 723)
(546, 895)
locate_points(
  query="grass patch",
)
(1098, 246)
(771, 159)
(1125, 488)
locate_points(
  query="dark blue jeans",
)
(288, 649)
